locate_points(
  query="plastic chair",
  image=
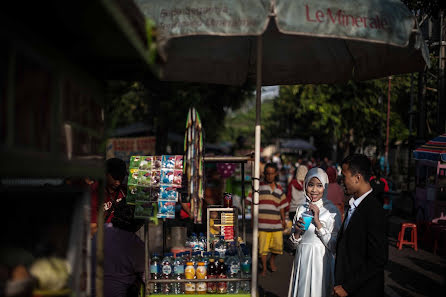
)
(413, 236)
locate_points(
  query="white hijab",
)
(322, 176)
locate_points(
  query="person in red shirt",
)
(115, 173)
(379, 185)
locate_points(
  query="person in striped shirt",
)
(272, 204)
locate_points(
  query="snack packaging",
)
(177, 177)
(143, 209)
(134, 161)
(156, 178)
(179, 162)
(167, 176)
(145, 163)
(168, 161)
(156, 162)
(168, 193)
(166, 209)
(133, 177)
(145, 178)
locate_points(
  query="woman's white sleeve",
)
(295, 241)
(329, 232)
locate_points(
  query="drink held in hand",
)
(308, 218)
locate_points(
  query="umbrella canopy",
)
(328, 41)
(433, 150)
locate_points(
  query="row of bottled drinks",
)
(229, 262)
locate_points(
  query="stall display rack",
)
(212, 159)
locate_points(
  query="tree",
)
(164, 107)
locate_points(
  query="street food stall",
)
(430, 199)
(213, 261)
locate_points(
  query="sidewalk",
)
(408, 273)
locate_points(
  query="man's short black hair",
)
(359, 163)
(123, 217)
(116, 168)
(270, 165)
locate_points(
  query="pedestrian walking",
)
(296, 194)
(362, 246)
(312, 274)
(272, 204)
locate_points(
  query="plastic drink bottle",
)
(222, 286)
(189, 273)
(178, 273)
(212, 274)
(167, 272)
(233, 265)
(246, 267)
(200, 273)
(155, 273)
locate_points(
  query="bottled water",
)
(167, 273)
(193, 242)
(233, 265)
(155, 273)
(178, 273)
(202, 242)
(206, 259)
(196, 257)
(246, 264)
(221, 247)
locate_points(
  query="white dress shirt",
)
(354, 203)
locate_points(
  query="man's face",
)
(349, 181)
(112, 183)
(270, 175)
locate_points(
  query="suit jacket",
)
(362, 250)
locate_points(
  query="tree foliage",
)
(164, 106)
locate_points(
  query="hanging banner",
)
(124, 148)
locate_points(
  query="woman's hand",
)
(316, 211)
(300, 226)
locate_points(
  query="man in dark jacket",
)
(362, 247)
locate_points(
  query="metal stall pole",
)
(146, 257)
(243, 200)
(256, 177)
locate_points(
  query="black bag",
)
(137, 288)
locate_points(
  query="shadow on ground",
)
(412, 280)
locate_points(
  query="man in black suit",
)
(362, 247)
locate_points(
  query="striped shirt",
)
(270, 204)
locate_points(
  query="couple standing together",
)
(335, 258)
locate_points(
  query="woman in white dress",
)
(313, 267)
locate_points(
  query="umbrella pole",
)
(255, 212)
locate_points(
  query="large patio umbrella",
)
(283, 42)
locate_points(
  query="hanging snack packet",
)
(133, 177)
(166, 177)
(168, 162)
(168, 193)
(134, 161)
(166, 209)
(156, 178)
(179, 162)
(143, 209)
(157, 162)
(177, 178)
(145, 178)
(155, 193)
(132, 194)
(145, 194)
(146, 163)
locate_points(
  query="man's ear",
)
(358, 177)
